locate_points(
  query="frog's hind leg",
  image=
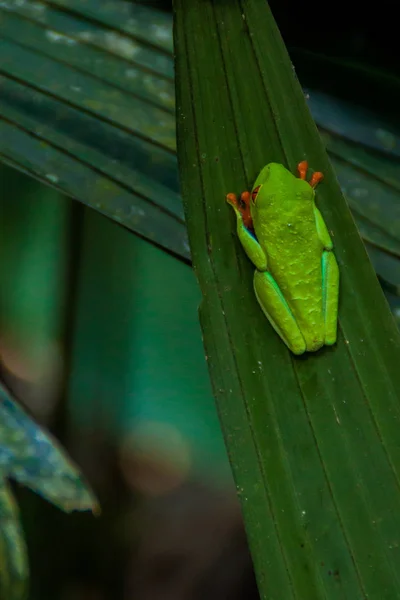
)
(330, 295)
(330, 281)
(278, 312)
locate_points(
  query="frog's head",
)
(274, 181)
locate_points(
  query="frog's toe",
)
(315, 344)
(330, 340)
(297, 349)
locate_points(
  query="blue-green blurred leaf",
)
(32, 457)
(13, 561)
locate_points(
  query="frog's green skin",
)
(297, 277)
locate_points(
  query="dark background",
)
(354, 48)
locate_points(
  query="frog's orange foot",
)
(245, 209)
(243, 206)
(232, 199)
(302, 168)
(245, 198)
(316, 177)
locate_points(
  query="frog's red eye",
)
(255, 192)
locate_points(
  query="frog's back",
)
(290, 240)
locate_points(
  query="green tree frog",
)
(296, 281)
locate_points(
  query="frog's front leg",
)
(266, 289)
(247, 238)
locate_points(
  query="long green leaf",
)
(89, 110)
(313, 441)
